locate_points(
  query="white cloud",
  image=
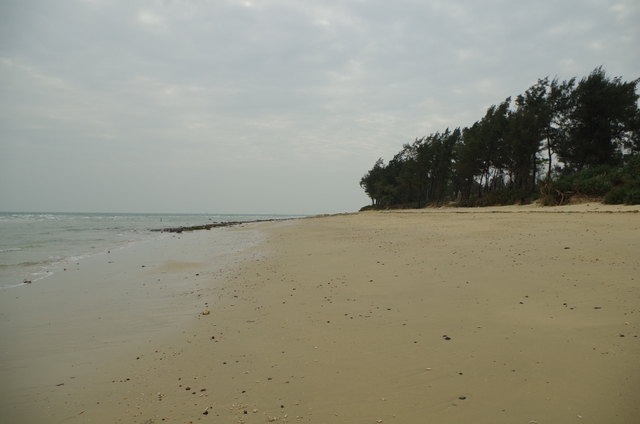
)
(150, 18)
(267, 96)
(626, 10)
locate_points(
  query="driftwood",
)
(547, 187)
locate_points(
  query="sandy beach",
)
(516, 314)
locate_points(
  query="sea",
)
(34, 245)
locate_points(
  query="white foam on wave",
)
(43, 243)
(41, 275)
(13, 286)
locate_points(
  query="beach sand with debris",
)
(517, 314)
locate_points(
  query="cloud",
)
(272, 97)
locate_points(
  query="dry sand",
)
(497, 315)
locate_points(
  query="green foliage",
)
(616, 196)
(391, 207)
(367, 208)
(593, 182)
(602, 119)
(501, 197)
(632, 197)
(627, 183)
(580, 134)
(623, 195)
(548, 200)
(616, 185)
(631, 172)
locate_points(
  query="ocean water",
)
(35, 245)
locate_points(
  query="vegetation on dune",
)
(614, 184)
(555, 141)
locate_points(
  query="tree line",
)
(554, 130)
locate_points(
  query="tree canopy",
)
(554, 129)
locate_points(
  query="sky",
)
(265, 106)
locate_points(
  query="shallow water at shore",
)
(34, 245)
(107, 305)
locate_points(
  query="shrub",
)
(549, 200)
(632, 197)
(615, 196)
(632, 168)
(500, 198)
(592, 182)
(617, 185)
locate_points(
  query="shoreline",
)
(35, 244)
(216, 225)
(399, 316)
(75, 323)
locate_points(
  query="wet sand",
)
(496, 315)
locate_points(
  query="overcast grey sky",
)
(265, 106)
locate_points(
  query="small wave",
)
(11, 249)
(12, 286)
(28, 264)
(80, 257)
(34, 277)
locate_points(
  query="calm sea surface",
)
(33, 244)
